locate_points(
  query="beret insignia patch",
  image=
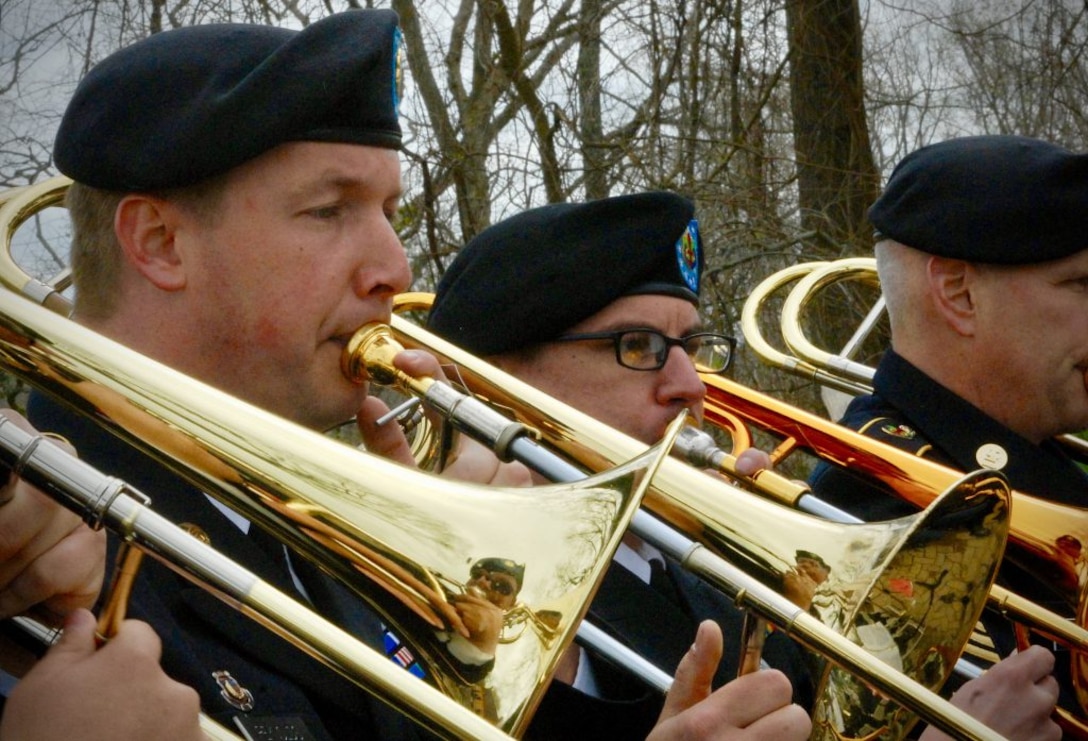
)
(398, 69)
(687, 255)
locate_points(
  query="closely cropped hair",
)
(894, 277)
(96, 254)
(901, 270)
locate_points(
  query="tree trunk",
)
(837, 178)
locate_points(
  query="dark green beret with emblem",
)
(184, 105)
(529, 278)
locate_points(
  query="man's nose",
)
(681, 380)
(383, 268)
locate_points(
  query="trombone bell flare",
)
(921, 606)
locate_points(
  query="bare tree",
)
(776, 118)
(1025, 72)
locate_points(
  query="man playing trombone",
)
(983, 266)
(605, 293)
(596, 304)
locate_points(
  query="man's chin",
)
(651, 437)
(337, 407)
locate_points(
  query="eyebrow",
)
(332, 181)
(624, 326)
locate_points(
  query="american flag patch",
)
(403, 657)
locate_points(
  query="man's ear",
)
(950, 287)
(146, 228)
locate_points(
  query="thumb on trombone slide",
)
(754, 706)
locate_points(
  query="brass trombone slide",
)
(709, 509)
(772, 355)
(862, 269)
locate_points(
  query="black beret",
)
(532, 276)
(990, 199)
(502, 566)
(184, 105)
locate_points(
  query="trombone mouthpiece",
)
(369, 355)
(697, 447)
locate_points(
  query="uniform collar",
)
(968, 438)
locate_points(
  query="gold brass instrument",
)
(382, 529)
(1036, 526)
(103, 501)
(742, 543)
(764, 349)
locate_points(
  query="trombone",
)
(382, 529)
(754, 534)
(1036, 523)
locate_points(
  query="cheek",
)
(597, 392)
(621, 405)
(288, 306)
(267, 331)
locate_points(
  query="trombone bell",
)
(917, 607)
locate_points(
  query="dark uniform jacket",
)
(203, 636)
(910, 410)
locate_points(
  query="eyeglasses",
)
(501, 586)
(648, 349)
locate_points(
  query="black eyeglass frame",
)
(616, 336)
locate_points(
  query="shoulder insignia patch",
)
(900, 431)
